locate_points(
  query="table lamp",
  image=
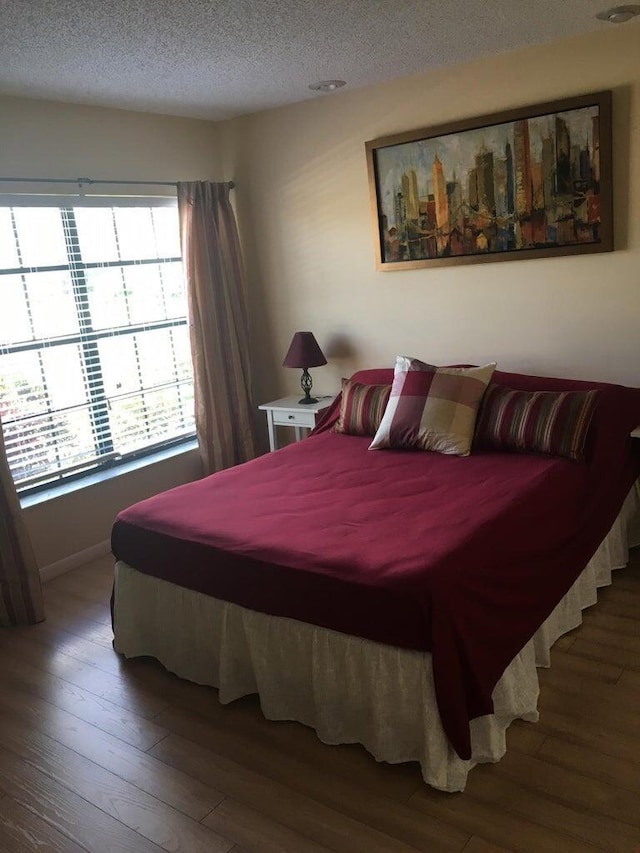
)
(304, 352)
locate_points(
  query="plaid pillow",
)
(554, 422)
(432, 408)
(361, 408)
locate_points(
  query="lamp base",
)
(306, 383)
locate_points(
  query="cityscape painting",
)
(532, 182)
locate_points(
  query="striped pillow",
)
(553, 422)
(361, 408)
(432, 408)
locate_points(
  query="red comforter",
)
(464, 557)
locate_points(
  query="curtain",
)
(20, 588)
(218, 321)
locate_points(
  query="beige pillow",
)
(432, 408)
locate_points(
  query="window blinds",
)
(95, 362)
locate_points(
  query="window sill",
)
(60, 489)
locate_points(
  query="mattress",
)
(349, 689)
(463, 558)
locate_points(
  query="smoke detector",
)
(619, 14)
(327, 85)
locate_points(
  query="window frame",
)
(87, 338)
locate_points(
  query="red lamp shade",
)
(304, 352)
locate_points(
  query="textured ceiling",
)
(220, 58)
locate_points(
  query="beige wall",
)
(303, 207)
(304, 212)
(58, 140)
(46, 139)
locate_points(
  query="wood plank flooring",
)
(107, 756)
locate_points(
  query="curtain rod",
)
(90, 182)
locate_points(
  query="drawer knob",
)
(291, 417)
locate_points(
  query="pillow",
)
(432, 408)
(552, 422)
(361, 408)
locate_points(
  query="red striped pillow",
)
(552, 422)
(362, 408)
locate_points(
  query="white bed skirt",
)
(348, 689)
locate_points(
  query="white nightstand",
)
(289, 412)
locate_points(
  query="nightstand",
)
(289, 412)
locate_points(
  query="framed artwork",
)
(533, 182)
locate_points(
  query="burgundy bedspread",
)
(464, 557)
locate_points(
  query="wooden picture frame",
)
(533, 182)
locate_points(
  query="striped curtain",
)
(20, 589)
(218, 323)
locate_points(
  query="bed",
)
(397, 599)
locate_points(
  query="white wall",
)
(304, 212)
(47, 139)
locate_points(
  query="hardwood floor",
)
(102, 755)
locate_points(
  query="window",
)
(95, 364)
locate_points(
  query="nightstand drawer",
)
(289, 418)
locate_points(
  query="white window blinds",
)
(95, 364)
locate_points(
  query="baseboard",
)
(74, 561)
